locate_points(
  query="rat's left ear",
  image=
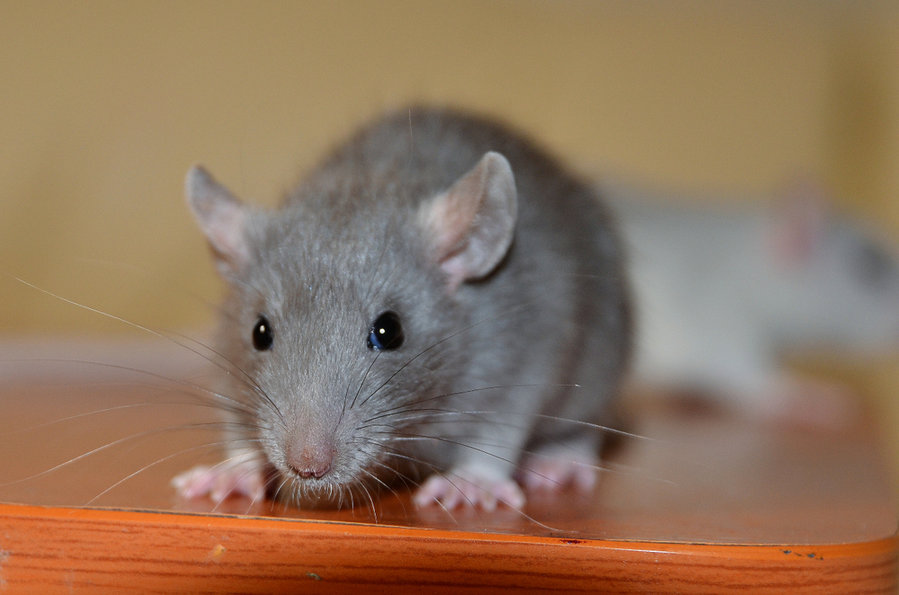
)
(470, 226)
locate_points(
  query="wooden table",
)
(703, 503)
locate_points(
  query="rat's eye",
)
(262, 334)
(386, 332)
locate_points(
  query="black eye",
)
(262, 334)
(386, 332)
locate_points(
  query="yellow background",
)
(104, 106)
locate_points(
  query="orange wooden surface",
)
(109, 550)
(703, 503)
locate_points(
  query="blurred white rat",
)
(722, 293)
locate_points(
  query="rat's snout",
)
(310, 460)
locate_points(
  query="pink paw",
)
(219, 482)
(555, 471)
(812, 403)
(463, 488)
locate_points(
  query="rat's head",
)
(841, 279)
(342, 318)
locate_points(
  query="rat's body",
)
(722, 294)
(419, 306)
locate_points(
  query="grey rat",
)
(723, 293)
(439, 301)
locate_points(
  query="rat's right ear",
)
(221, 216)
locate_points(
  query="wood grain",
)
(109, 550)
(699, 503)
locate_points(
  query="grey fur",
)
(349, 243)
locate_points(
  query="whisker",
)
(455, 442)
(410, 405)
(285, 480)
(159, 461)
(439, 342)
(171, 337)
(371, 500)
(472, 507)
(233, 404)
(610, 467)
(407, 481)
(112, 409)
(364, 377)
(416, 461)
(426, 413)
(119, 442)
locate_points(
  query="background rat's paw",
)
(220, 482)
(465, 488)
(556, 468)
(810, 402)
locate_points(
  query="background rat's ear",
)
(221, 216)
(799, 220)
(470, 226)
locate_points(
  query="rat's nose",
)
(311, 461)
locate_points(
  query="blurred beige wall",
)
(106, 104)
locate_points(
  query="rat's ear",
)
(470, 226)
(800, 218)
(221, 216)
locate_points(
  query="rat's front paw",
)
(553, 470)
(219, 482)
(467, 488)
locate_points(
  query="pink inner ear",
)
(225, 231)
(450, 221)
(471, 224)
(221, 216)
(790, 250)
(800, 217)
(800, 221)
(447, 226)
(456, 273)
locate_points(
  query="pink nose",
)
(311, 462)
